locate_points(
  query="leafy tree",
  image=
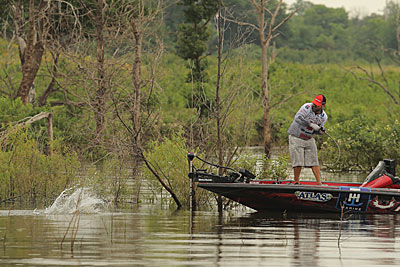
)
(392, 32)
(320, 27)
(192, 45)
(368, 36)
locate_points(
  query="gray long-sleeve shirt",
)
(300, 126)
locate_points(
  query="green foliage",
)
(193, 35)
(246, 161)
(363, 143)
(169, 159)
(192, 44)
(317, 37)
(320, 27)
(27, 173)
(264, 168)
(14, 110)
(276, 169)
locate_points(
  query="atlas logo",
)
(313, 196)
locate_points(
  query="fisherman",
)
(309, 120)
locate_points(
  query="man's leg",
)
(317, 174)
(296, 152)
(297, 171)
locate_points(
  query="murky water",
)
(150, 236)
(81, 230)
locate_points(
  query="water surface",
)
(147, 235)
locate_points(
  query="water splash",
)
(77, 199)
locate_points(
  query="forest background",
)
(129, 87)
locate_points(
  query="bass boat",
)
(379, 193)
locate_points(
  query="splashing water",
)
(82, 200)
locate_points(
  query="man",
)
(309, 120)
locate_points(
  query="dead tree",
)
(268, 30)
(31, 44)
(229, 86)
(101, 90)
(140, 20)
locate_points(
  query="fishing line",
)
(338, 158)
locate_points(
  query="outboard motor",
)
(383, 175)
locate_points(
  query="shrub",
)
(363, 143)
(276, 169)
(169, 160)
(28, 174)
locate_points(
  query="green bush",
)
(275, 169)
(28, 174)
(169, 159)
(363, 143)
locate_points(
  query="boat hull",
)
(337, 198)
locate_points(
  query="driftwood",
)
(29, 120)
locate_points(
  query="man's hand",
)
(315, 127)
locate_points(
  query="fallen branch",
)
(29, 120)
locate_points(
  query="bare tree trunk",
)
(164, 185)
(135, 108)
(137, 84)
(266, 100)
(267, 33)
(50, 132)
(264, 82)
(217, 106)
(31, 50)
(101, 89)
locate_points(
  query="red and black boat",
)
(379, 193)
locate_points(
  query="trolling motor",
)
(201, 175)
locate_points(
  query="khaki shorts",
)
(303, 152)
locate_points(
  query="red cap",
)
(319, 100)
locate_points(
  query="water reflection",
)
(149, 236)
(312, 239)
